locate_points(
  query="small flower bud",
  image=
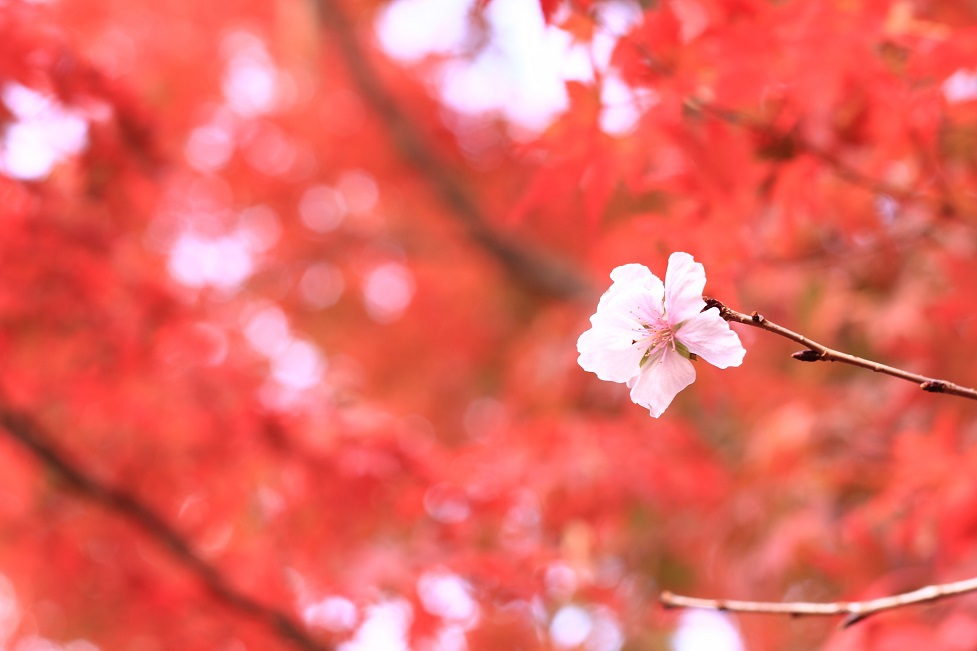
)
(807, 355)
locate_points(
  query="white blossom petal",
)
(611, 365)
(660, 381)
(684, 281)
(632, 274)
(630, 277)
(709, 336)
(608, 349)
(647, 310)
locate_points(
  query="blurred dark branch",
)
(540, 272)
(791, 141)
(856, 611)
(788, 140)
(816, 352)
(27, 432)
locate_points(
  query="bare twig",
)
(855, 610)
(28, 433)
(816, 352)
(532, 268)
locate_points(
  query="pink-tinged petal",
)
(613, 329)
(635, 308)
(630, 274)
(647, 309)
(630, 277)
(710, 337)
(638, 306)
(623, 300)
(684, 281)
(660, 381)
(608, 348)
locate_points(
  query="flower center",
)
(653, 337)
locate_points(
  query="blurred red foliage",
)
(288, 337)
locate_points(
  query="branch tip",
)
(666, 600)
(851, 620)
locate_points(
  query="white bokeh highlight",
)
(336, 614)
(961, 86)
(266, 329)
(209, 147)
(622, 106)
(606, 633)
(222, 262)
(706, 630)
(590, 628)
(498, 80)
(42, 134)
(570, 626)
(295, 365)
(442, 31)
(250, 82)
(495, 79)
(447, 596)
(387, 291)
(298, 366)
(385, 627)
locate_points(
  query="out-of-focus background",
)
(290, 292)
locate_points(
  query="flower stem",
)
(816, 352)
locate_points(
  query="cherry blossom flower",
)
(646, 333)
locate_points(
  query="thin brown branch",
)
(28, 433)
(541, 272)
(815, 352)
(855, 610)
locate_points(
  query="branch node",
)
(933, 386)
(713, 303)
(807, 355)
(756, 317)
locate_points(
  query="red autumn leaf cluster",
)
(290, 293)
